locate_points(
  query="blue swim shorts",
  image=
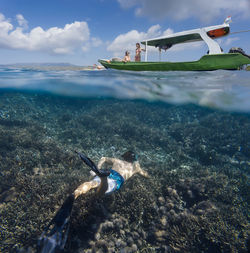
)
(115, 181)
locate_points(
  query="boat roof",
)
(181, 37)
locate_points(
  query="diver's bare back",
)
(124, 168)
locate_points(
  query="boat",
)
(215, 58)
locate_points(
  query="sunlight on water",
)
(227, 90)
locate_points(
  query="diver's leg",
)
(85, 187)
(103, 186)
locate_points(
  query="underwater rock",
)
(172, 192)
(130, 240)
(100, 246)
(204, 207)
(38, 171)
(159, 235)
(161, 200)
(106, 226)
(163, 221)
(97, 236)
(111, 250)
(134, 248)
(126, 250)
(9, 195)
(120, 244)
(170, 205)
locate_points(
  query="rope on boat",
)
(241, 32)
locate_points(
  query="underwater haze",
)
(190, 131)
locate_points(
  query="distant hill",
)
(47, 66)
(38, 64)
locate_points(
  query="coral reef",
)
(196, 199)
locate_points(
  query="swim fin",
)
(54, 239)
(91, 164)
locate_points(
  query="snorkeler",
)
(105, 180)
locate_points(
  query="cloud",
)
(182, 9)
(96, 42)
(55, 40)
(127, 41)
(93, 42)
(22, 21)
(229, 41)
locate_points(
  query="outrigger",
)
(214, 60)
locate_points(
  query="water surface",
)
(227, 90)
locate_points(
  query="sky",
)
(82, 31)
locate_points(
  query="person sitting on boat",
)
(138, 51)
(95, 66)
(106, 181)
(126, 57)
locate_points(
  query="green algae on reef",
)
(197, 198)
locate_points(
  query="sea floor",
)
(196, 199)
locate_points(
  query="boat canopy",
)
(206, 34)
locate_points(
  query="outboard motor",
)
(238, 50)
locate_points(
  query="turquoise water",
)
(227, 90)
(190, 131)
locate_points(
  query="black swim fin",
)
(54, 236)
(63, 214)
(91, 164)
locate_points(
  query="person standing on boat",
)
(138, 52)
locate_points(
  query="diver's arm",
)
(139, 170)
(105, 160)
